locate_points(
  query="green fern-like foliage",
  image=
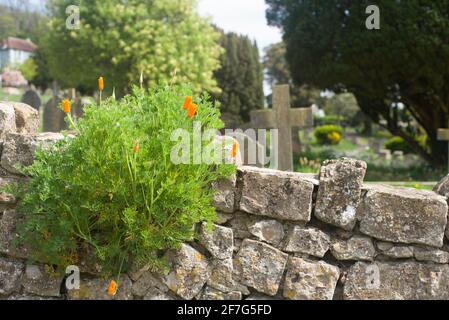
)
(114, 188)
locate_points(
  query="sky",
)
(242, 16)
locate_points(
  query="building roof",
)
(17, 44)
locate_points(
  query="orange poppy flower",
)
(136, 147)
(187, 102)
(191, 111)
(101, 83)
(66, 106)
(112, 289)
(235, 149)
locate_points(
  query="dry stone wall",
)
(279, 235)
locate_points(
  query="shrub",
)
(113, 188)
(398, 144)
(28, 69)
(329, 134)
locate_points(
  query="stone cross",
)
(283, 118)
(443, 135)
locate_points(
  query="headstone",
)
(78, 106)
(385, 154)
(398, 156)
(54, 116)
(31, 98)
(375, 145)
(443, 135)
(283, 118)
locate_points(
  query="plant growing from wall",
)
(113, 187)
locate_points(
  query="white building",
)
(15, 51)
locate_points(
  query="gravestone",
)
(443, 135)
(283, 118)
(398, 157)
(385, 154)
(31, 98)
(54, 116)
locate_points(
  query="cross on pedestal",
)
(443, 135)
(283, 118)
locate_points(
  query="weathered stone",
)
(397, 281)
(276, 194)
(404, 215)
(442, 187)
(7, 119)
(6, 198)
(19, 149)
(261, 297)
(213, 294)
(27, 118)
(307, 240)
(260, 266)
(432, 255)
(36, 280)
(221, 275)
(339, 192)
(188, 272)
(157, 294)
(146, 282)
(356, 248)
(384, 246)
(10, 272)
(224, 198)
(97, 289)
(222, 218)
(270, 231)
(219, 242)
(310, 280)
(399, 252)
(8, 222)
(239, 225)
(26, 297)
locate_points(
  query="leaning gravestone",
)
(31, 98)
(54, 116)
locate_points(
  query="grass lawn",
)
(6, 97)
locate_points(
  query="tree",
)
(28, 69)
(277, 71)
(120, 40)
(19, 18)
(240, 77)
(404, 62)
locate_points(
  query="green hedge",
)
(328, 135)
(398, 144)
